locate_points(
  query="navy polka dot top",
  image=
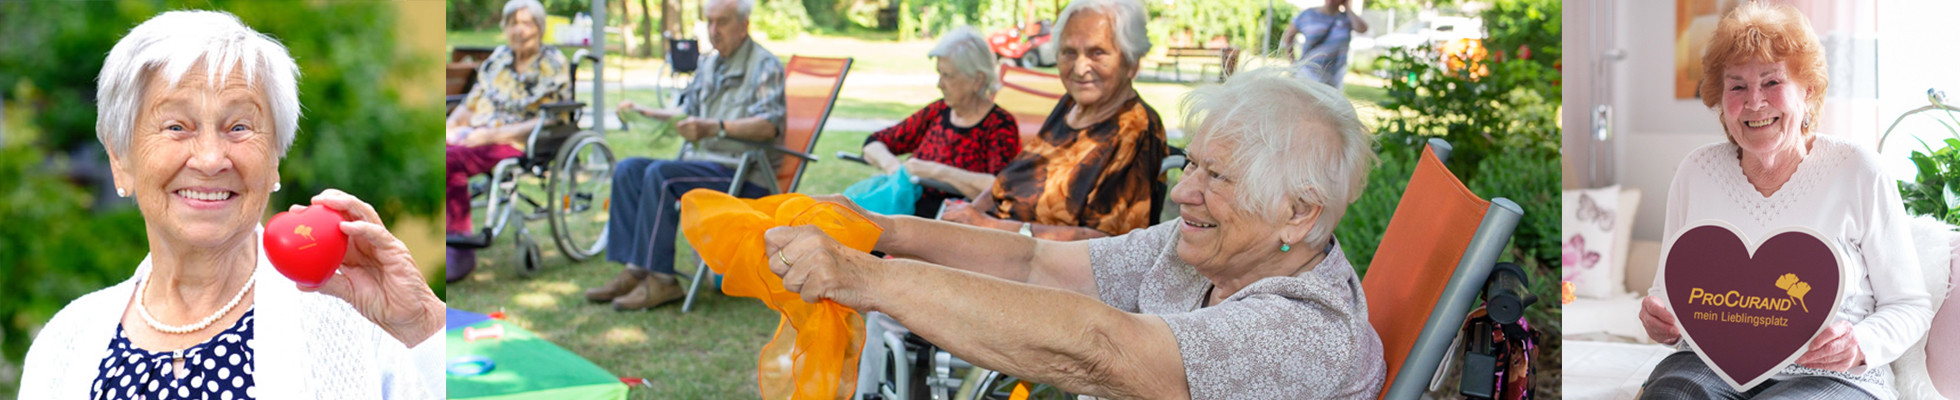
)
(220, 368)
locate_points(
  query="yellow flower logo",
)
(1796, 288)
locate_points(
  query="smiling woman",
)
(1765, 79)
(197, 110)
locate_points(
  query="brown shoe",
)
(653, 291)
(620, 285)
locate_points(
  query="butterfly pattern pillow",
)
(1587, 238)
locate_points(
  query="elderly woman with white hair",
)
(196, 110)
(963, 139)
(1248, 295)
(498, 115)
(1092, 171)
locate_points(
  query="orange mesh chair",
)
(1029, 95)
(1436, 255)
(810, 86)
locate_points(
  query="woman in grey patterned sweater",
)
(1247, 295)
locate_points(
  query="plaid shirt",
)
(744, 84)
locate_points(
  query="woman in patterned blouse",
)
(1093, 169)
(963, 139)
(499, 114)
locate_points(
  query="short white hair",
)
(743, 8)
(168, 45)
(971, 56)
(1296, 140)
(1126, 18)
(537, 12)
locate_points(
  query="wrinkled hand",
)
(626, 106)
(924, 169)
(1834, 349)
(884, 222)
(817, 267)
(961, 212)
(1660, 324)
(378, 277)
(694, 128)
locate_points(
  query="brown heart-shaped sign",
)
(1750, 308)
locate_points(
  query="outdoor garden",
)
(1498, 106)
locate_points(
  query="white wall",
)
(1657, 130)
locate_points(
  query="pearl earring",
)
(122, 193)
(275, 186)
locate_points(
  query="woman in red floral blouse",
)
(963, 139)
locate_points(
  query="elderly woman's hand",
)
(925, 169)
(817, 267)
(1834, 349)
(883, 221)
(378, 277)
(1660, 324)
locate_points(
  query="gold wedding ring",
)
(779, 256)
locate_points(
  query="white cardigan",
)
(308, 345)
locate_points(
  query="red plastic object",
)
(306, 245)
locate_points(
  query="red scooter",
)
(1027, 46)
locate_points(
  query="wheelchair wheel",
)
(579, 195)
(997, 386)
(529, 258)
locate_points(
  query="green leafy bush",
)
(360, 132)
(780, 19)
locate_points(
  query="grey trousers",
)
(1683, 376)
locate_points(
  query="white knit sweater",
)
(1840, 191)
(308, 345)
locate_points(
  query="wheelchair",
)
(575, 166)
(899, 365)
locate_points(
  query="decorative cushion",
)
(1931, 368)
(1587, 238)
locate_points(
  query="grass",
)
(710, 352)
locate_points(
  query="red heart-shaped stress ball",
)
(306, 245)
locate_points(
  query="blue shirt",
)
(1325, 54)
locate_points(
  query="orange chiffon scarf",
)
(815, 351)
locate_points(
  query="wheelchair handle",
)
(1507, 293)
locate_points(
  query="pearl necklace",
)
(144, 288)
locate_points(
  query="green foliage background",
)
(62, 239)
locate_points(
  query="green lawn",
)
(708, 353)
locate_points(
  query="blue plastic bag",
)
(889, 194)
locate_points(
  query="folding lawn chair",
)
(1440, 248)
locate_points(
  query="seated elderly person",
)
(737, 94)
(499, 114)
(1217, 304)
(1764, 75)
(195, 111)
(963, 139)
(1093, 169)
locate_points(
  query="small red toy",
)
(306, 245)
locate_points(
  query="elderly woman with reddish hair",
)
(1764, 76)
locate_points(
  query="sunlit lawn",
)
(710, 352)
